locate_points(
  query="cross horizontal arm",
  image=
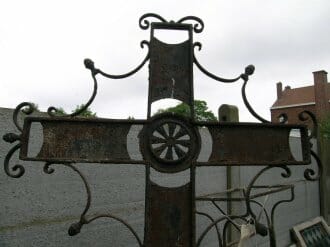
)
(78, 140)
(106, 141)
(255, 144)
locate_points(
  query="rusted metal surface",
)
(80, 140)
(169, 144)
(255, 144)
(171, 67)
(170, 71)
(169, 216)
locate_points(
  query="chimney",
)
(287, 88)
(279, 90)
(320, 92)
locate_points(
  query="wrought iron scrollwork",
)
(309, 173)
(198, 27)
(229, 219)
(142, 44)
(209, 74)
(53, 111)
(17, 170)
(286, 174)
(145, 24)
(27, 108)
(305, 116)
(89, 64)
(249, 216)
(129, 227)
(249, 70)
(216, 226)
(75, 228)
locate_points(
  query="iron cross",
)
(168, 143)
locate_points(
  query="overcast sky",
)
(43, 45)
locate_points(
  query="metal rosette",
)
(170, 143)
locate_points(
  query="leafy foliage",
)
(35, 106)
(86, 113)
(60, 111)
(325, 126)
(202, 113)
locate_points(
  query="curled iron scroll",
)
(285, 174)
(27, 108)
(89, 64)
(214, 223)
(75, 228)
(209, 74)
(305, 116)
(309, 173)
(53, 111)
(145, 24)
(17, 170)
(249, 70)
(142, 45)
(216, 226)
(198, 27)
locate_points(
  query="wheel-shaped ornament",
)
(170, 142)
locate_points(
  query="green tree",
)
(60, 111)
(202, 113)
(35, 106)
(325, 126)
(86, 113)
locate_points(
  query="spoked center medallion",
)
(170, 143)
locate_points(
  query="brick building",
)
(292, 101)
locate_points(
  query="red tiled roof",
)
(296, 96)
